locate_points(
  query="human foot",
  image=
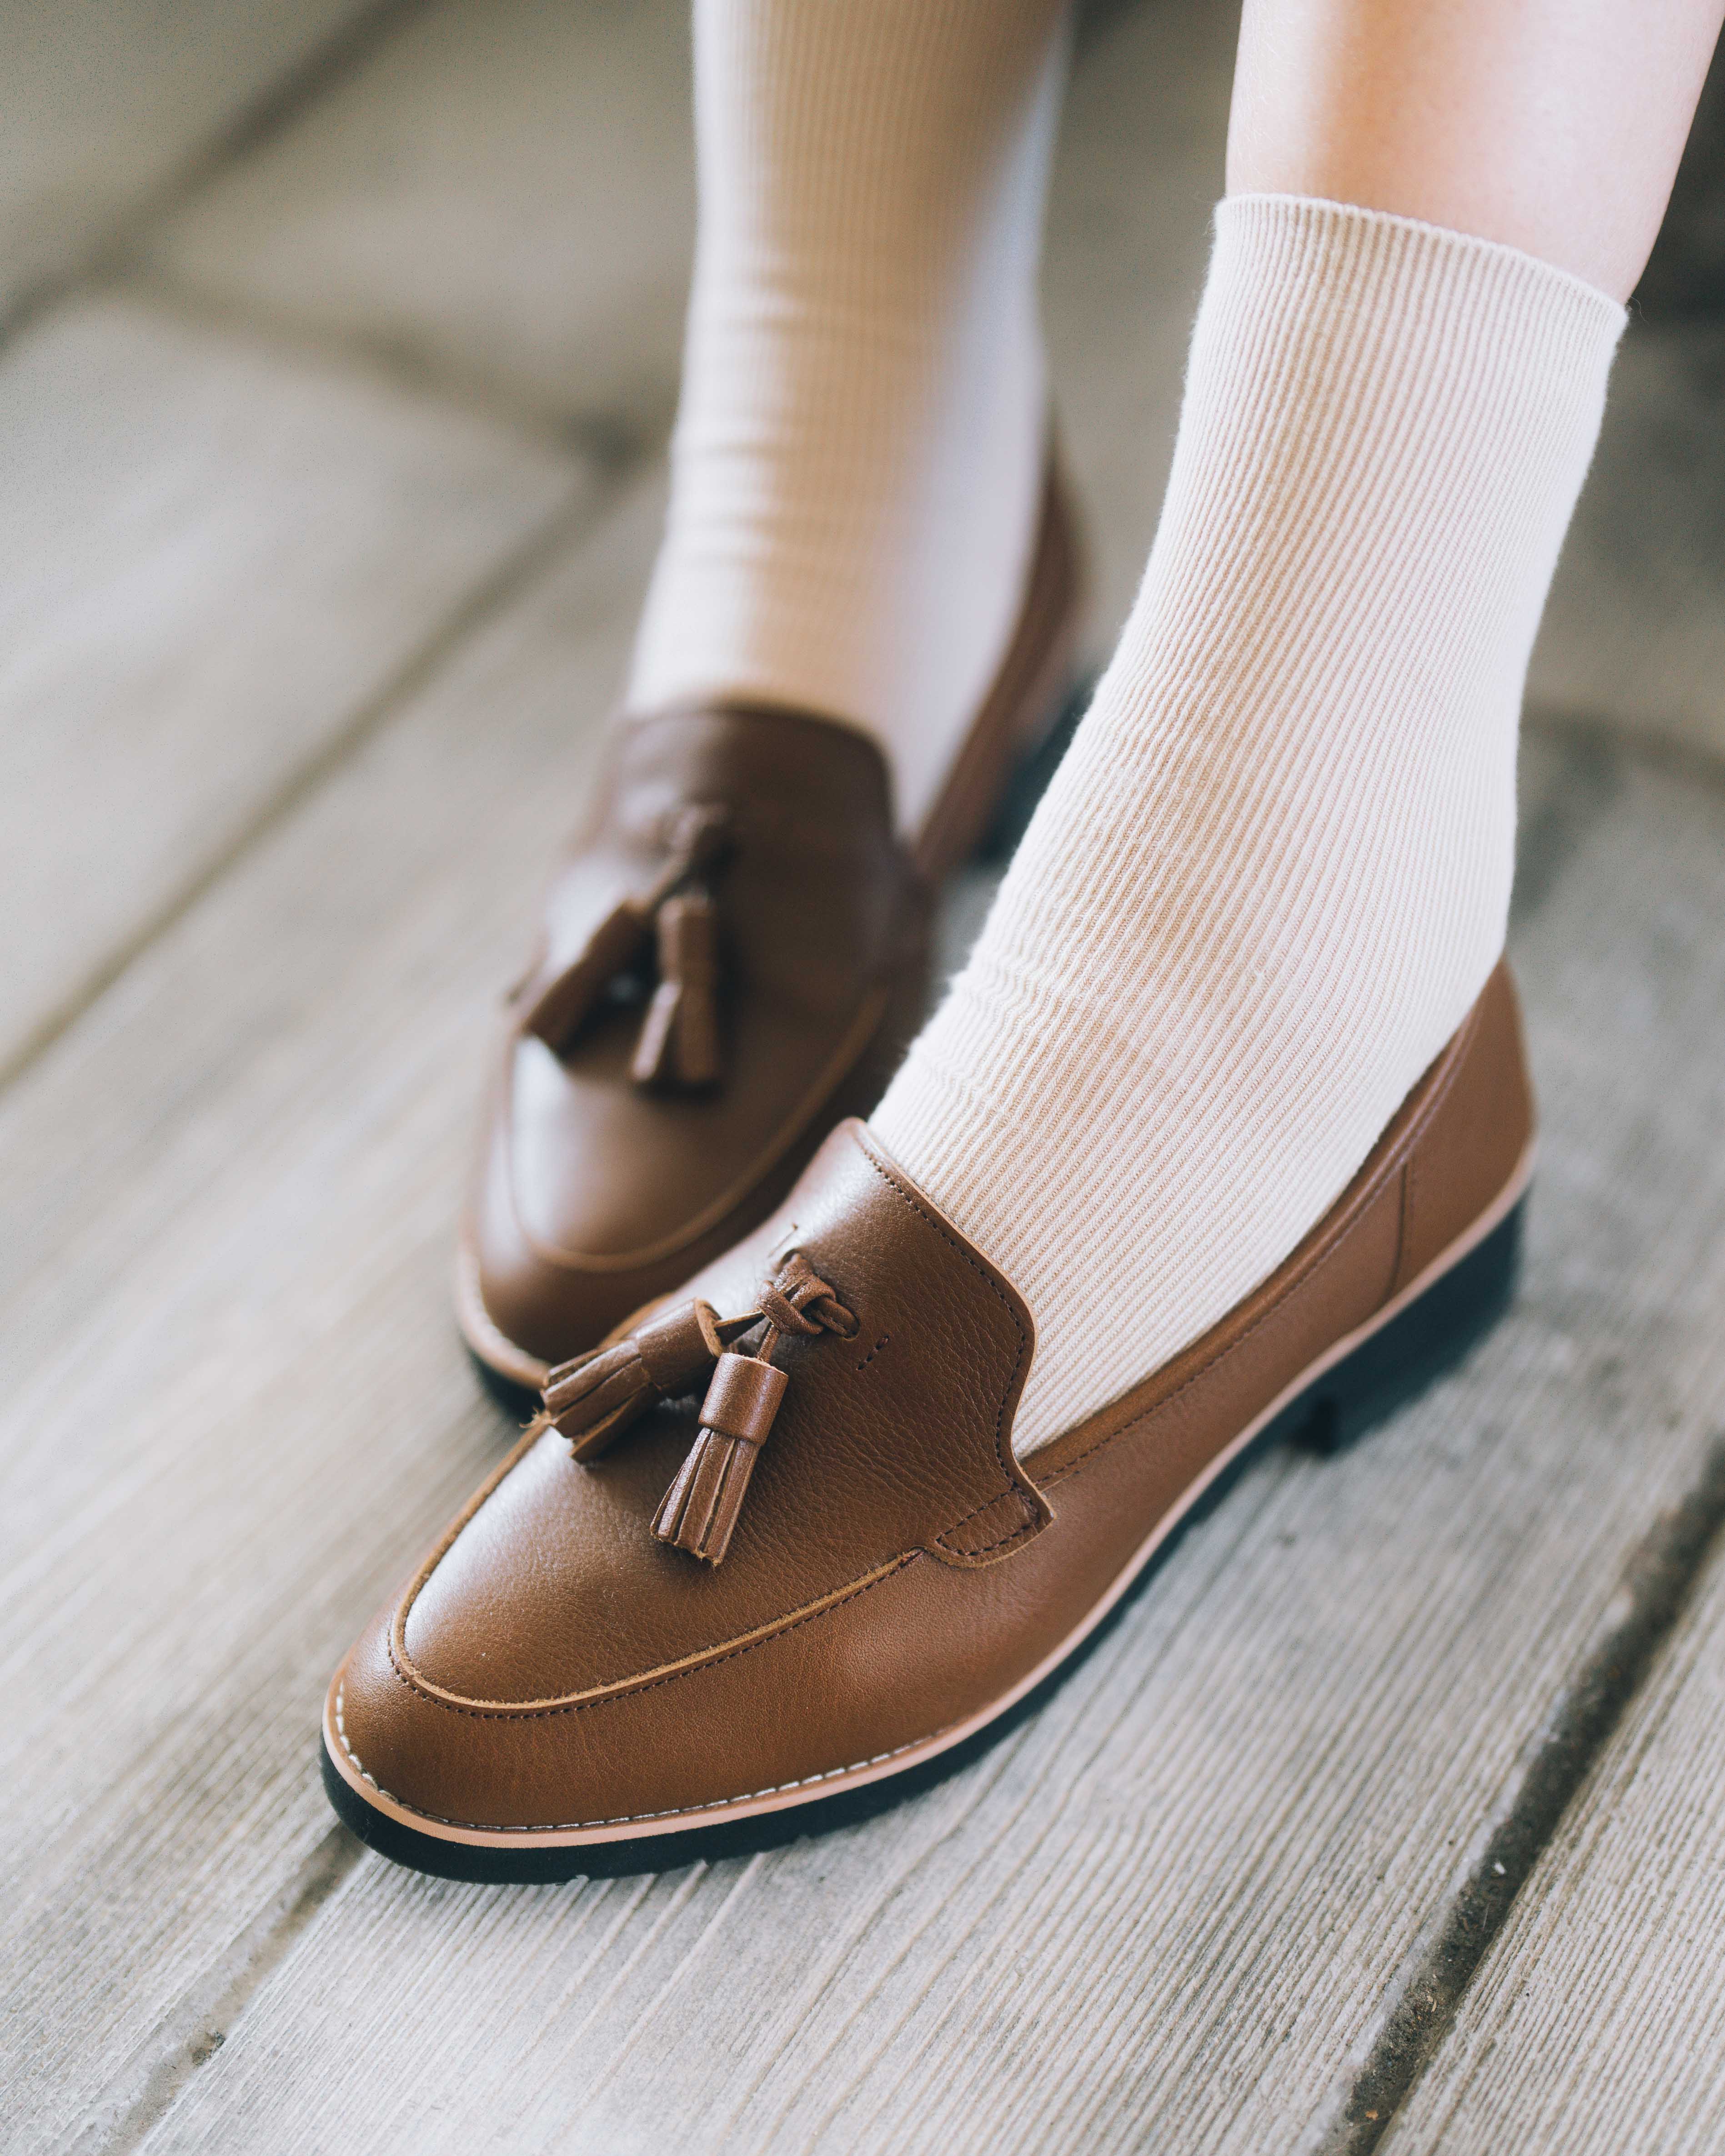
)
(865, 602)
(1159, 1112)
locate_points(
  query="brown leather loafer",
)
(725, 1623)
(734, 957)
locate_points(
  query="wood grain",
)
(105, 107)
(214, 558)
(239, 1409)
(504, 195)
(231, 1413)
(1597, 2025)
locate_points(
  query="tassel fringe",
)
(698, 839)
(700, 1509)
(613, 946)
(593, 1400)
(679, 1043)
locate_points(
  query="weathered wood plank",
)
(552, 146)
(238, 1408)
(230, 1410)
(1635, 630)
(213, 559)
(105, 106)
(504, 194)
(1596, 2027)
(558, 140)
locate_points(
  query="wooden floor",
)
(341, 347)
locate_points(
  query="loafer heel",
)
(1417, 1347)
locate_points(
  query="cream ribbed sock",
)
(857, 461)
(1273, 872)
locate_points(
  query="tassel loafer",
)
(735, 955)
(766, 1561)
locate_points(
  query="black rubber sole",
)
(1381, 1375)
(521, 1402)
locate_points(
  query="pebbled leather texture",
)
(896, 1572)
(633, 1132)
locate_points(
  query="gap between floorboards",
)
(264, 116)
(126, 2114)
(1421, 2003)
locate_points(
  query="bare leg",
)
(1552, 126)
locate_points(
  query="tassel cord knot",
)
(797, 1299)
(593, 1399)
(700, 1510)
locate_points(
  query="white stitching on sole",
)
(621, 1819)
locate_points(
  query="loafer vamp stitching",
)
(624, 1819)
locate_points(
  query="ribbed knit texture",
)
(1273, 873)
(858, 451)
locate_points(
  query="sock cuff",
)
(1308, 236)
(1456, 352)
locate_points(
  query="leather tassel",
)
(612, 948)
(700, 1509)
(679, 1042)
(697, 841)
(593, 1399)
